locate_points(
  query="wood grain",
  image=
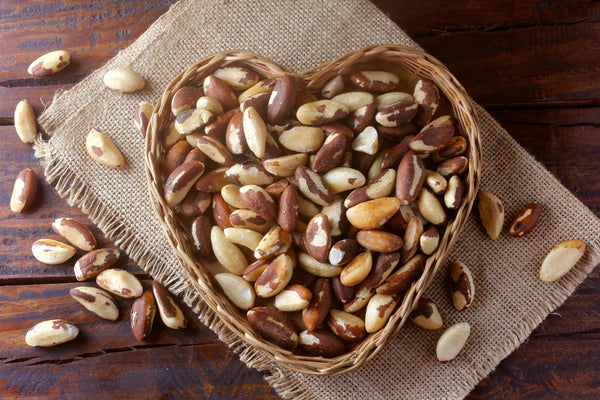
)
(533, 64)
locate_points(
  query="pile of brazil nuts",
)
(321, 208)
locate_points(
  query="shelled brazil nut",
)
(321, 206)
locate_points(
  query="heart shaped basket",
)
(410, 65)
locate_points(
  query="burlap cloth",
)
(510, 300)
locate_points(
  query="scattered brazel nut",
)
(94, 262)
(52, 252)
(462, 286)
(525, 219)
(452, 341)
(25, 122)
(102, 149)
(561, 259)
(97, 301)
(24, 191)
(120, 282)
(51, 333)
(170, 313)
(124, 80)
(491, 213)
(143, 311)
(49, 63)
(75, 232)
(426, 315)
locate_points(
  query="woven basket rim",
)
(413, 60)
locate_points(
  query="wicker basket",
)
(406, 62)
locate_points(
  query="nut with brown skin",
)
(378, 240)
(322, 112)
(318, 237)
(24, 191)
(274, 326)
(276, 241)
(143, 311)
(170, 313)
(293, 298)
(287, 216)
(313, 186)
(248, 174)
(218, 89)
(330, 153)
(343, 251)
(433, 136)
(97, 301)
(185, 98)
(320, 304)
(321, 343)
(376, 81)
(402, 278)
(427, 96)
(357, 269)
(397, 114)
(410, 177)
(275, 277)
(94, 262)
(462, 286)
(49, 63)
(282, 100)
(181, 180)
(238, 78)
(259, 201)
(426, 315)
(347, 326)
(317, 268)
(120, 282)
(379, 309)
(218, 126)
(525, 220)
(75, 232)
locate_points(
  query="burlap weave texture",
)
(510, 301)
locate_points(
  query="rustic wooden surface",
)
(532, 64)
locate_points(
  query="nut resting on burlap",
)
(505, 270)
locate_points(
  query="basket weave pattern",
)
(404, 61)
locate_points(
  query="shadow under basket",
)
(410, 65)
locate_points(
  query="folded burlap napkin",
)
(510, 300)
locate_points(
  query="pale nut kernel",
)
(124, 80)
(302, 139)
(561, 259)
(354, 100)
(321, 112)
(237, 290)
(285, 166)
(430, 207)
(341, 179)
(102, 149)
(436, 182)
(255, 131)
(49, 63)
(429, 240)
(389, 98)
(336, 214)
(426, 315)
(52, 252)
(227, 253)
(317, 268)
(378, 240)
(379, 310)
(452, 341)
(120, 282)
(143, 311)
(248, 174)
(293, 298)
(94, 262)
(374, 213)
(366, 141)
(362, 295)
(333, 87)
(455, 193)
(75, 232)
(51, 333)
(357, 269)
(96, 300)
(491, 213)
(244, 237)
(214, 149)
(170, 313)
(231, 194)
(25, 122)
(24, 191)
(462, 285)
(412, 236)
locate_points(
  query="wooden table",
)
(533, 64)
